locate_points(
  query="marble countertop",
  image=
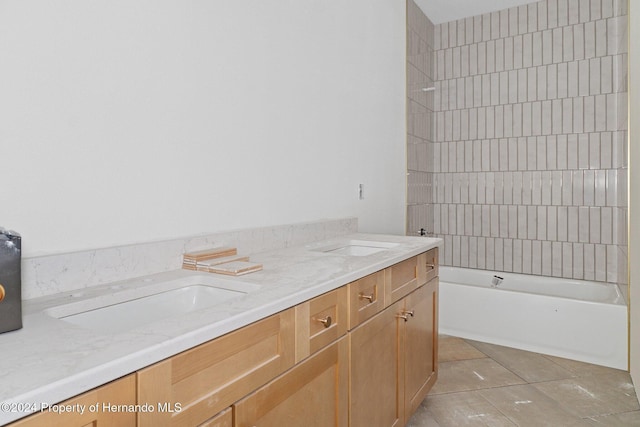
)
(50, 360)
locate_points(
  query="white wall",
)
(126, 121)
(634, 194)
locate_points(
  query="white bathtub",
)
(579, 320)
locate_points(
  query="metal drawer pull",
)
(403, 316)
(326, 321)
(409, 312)
(363, 296)
(431, 266)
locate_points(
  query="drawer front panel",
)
(403, 279)
(320, 321)
(366, 298)
(208, 378)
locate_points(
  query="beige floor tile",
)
(593, 395)
(422, 418)
(454, 348)
(474, 374)
(625, 419)
(532, 367)
(465, 409)
(528, 407)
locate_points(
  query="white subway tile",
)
(517, 120)
(542, 223)
(606, 75)
(481, 253)
(468, 220)
(578, 42)
(562, 80)
(517, 52)
(601, 263)
(617, 35)
(567, 188)
(526, 188)
(522, 222)
(595, 224)
(585, 10)
(495, 220)
(546, 259)
(482, 58)
(542, 15)
(508, 53)
(527, 50)
(536, 120)
(453, 34)
(612, 263)
(517, 188)
(601, 37)
(601, 113)
(578, 114)
(464, 251)
(504, 23)
(523, 20)
(567, 115)
(607, 8)
(574, 11)
(572, 79)
(536, 188)
(552, 13)
(562, 144)
(473, 252)
(486, 27)
(563, 13)
(589, 262)
(578, 257)
(589, 109)
(526, 257)
(600, 183)
(482, 122)
(541, 73)
(460, 26)
(468, 30)
(513, 21)
(567, 44)
(584, 224)
(499, 55)
(589, 40)
(552, 223)
(513, 221)
(563, 223)
(556, 187)
(536, 255)
(491, 56)
(547, 47)
(532, 78)
(589, 188)
(552, 81)
(583, 78)
(526, 119)
(556, 259)
(477, 28)
(567, 260)
(552, 147)
(578, 188)
(583, 151)
(620, 156)
(594, 76)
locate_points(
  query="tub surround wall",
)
(530, 140)
(53, 274)
(420, 42)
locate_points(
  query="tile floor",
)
(483, 384)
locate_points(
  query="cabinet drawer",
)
(366, 298)
(315, 393)
(427, 266)
(209, 378)
(320, 321)
(116, 393)
(403, 278)
(223, 419)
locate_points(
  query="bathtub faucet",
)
(496, 281)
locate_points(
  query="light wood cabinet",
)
(418, 344)
(361, 355)
(373, 371)
(208, 378)
(312, 394)
(111, 408)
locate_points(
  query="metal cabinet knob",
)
(409, 312)
(326, 321)
(363, 296)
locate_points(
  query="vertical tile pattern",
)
(529, 124)
(421, 73)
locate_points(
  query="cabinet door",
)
(209, 378)
(312, 394)
(373, 367)
(106, 414)
(420, 344)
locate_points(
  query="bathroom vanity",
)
(358, 348)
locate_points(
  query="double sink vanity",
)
(341, 332)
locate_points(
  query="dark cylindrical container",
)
(10, 283)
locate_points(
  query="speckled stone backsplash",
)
(53, 274)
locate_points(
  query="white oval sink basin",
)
(132, 308)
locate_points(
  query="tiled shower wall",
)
(420, 69)
(529, 153)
